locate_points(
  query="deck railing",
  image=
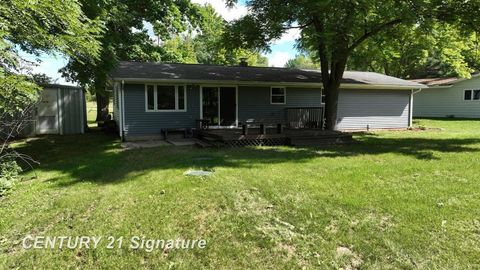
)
(305, 117)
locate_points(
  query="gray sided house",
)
(151, 97)
(448, 97)
(61, 109)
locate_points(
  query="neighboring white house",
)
(448, 97)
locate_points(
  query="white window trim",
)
(472, 96)
(155, 102)
(284, 95)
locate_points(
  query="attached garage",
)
(374, 109)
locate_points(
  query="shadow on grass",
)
(99, 159)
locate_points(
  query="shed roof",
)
(62, 86)
(200, 72)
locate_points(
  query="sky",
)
(281, 50)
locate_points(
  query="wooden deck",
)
(297, 137)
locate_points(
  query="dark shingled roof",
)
(199, 72)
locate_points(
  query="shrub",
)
(9, 173)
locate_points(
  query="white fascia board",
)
(380, 86)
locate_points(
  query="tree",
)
(335, 29)
(125, 38)
(204, 44)
(414, 52)
(301, 61)
(41, 78)
(34, 27)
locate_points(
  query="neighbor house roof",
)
(435, 81)
(438, 82)
(130, 71)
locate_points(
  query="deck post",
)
(263, 130)
(244, 130)
(279, 128)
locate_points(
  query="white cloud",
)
(291, 35)
(227, 13)
(278, 59)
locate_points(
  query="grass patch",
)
(406, 199)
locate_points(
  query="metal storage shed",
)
(61, 109)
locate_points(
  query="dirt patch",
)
(198, 173)
(353, 261)
(249, 202)
(143, 144)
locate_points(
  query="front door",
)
(219, 105)
(47, 112)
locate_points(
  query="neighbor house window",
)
(277, 95)
(476, 94)
(165, 98)
(471, 95)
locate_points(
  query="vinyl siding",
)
(443, 102)
(254, 103)
(375, 108)
(357, 108)
(138, 122)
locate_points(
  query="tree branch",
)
(322, 53)
(298, 26)
(373, 32)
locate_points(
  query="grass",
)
(395, 200)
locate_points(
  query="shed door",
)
(47, 112)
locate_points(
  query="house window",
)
(277, 95)
(324, 98)
(468, 95)
(164, 98)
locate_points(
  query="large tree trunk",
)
(331, 107)
(102, 98)
(332, 91)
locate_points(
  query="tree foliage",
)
(34, 27)
(204, 44)
(125, 38)
(43, 26)
(302, 61)
(413, 52)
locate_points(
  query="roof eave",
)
(266, 83)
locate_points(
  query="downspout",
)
(60, 111)
(122, 105)
(410, 120)
(322, 105)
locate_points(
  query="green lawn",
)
(395, 200)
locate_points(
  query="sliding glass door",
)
(219, 105)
